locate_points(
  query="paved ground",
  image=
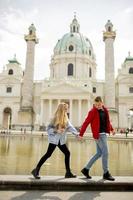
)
(40, 195)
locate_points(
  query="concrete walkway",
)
(64, 195)
(59, 183)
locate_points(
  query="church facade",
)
(25, 103)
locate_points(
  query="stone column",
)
(41, 113)
(26, 112)
(79, 112)
(50, 108)
(70, 109)
(109, 37)
(27, 87)
(88, 105)
(59, 100)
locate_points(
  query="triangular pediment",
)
(65, 88)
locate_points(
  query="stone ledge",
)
(58, 183)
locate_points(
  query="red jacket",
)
(94, 120)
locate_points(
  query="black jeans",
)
(49, 152)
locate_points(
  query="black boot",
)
(107, 176)
(70, 175)
(35, 173)
(86, 173)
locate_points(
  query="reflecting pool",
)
(20, 154)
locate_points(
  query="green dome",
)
(74, 42)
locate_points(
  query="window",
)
(30, 32)
(94, 89)
(131, 90)
(109, 29)
(8, 89)
(70, 70)
(90, 73)
(10, 72)
(74, 29)
(131, 70)
(90, 52)
(71, 48)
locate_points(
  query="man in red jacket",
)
(98, 118)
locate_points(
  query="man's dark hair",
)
(98, 99)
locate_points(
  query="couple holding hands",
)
(98, 118)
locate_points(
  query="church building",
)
(25, 103)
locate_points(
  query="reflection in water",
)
(4, 146)
(20, 154)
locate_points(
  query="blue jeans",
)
(102, 150)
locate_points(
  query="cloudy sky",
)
(52, 19)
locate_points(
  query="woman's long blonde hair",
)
(60, 118)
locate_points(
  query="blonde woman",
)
(57, 130)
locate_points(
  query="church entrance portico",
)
(77, 111)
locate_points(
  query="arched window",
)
(30, 32)
(10, 72)
(109, 29)
(131, 70)
(90, 72)
(131, 90)
(7, 110)
(70, 70)
(94, 89)
(74, 29)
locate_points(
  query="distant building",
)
(25, 103)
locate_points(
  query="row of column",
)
(70, 102)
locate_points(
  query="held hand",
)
(113, 132)
(80, 138)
